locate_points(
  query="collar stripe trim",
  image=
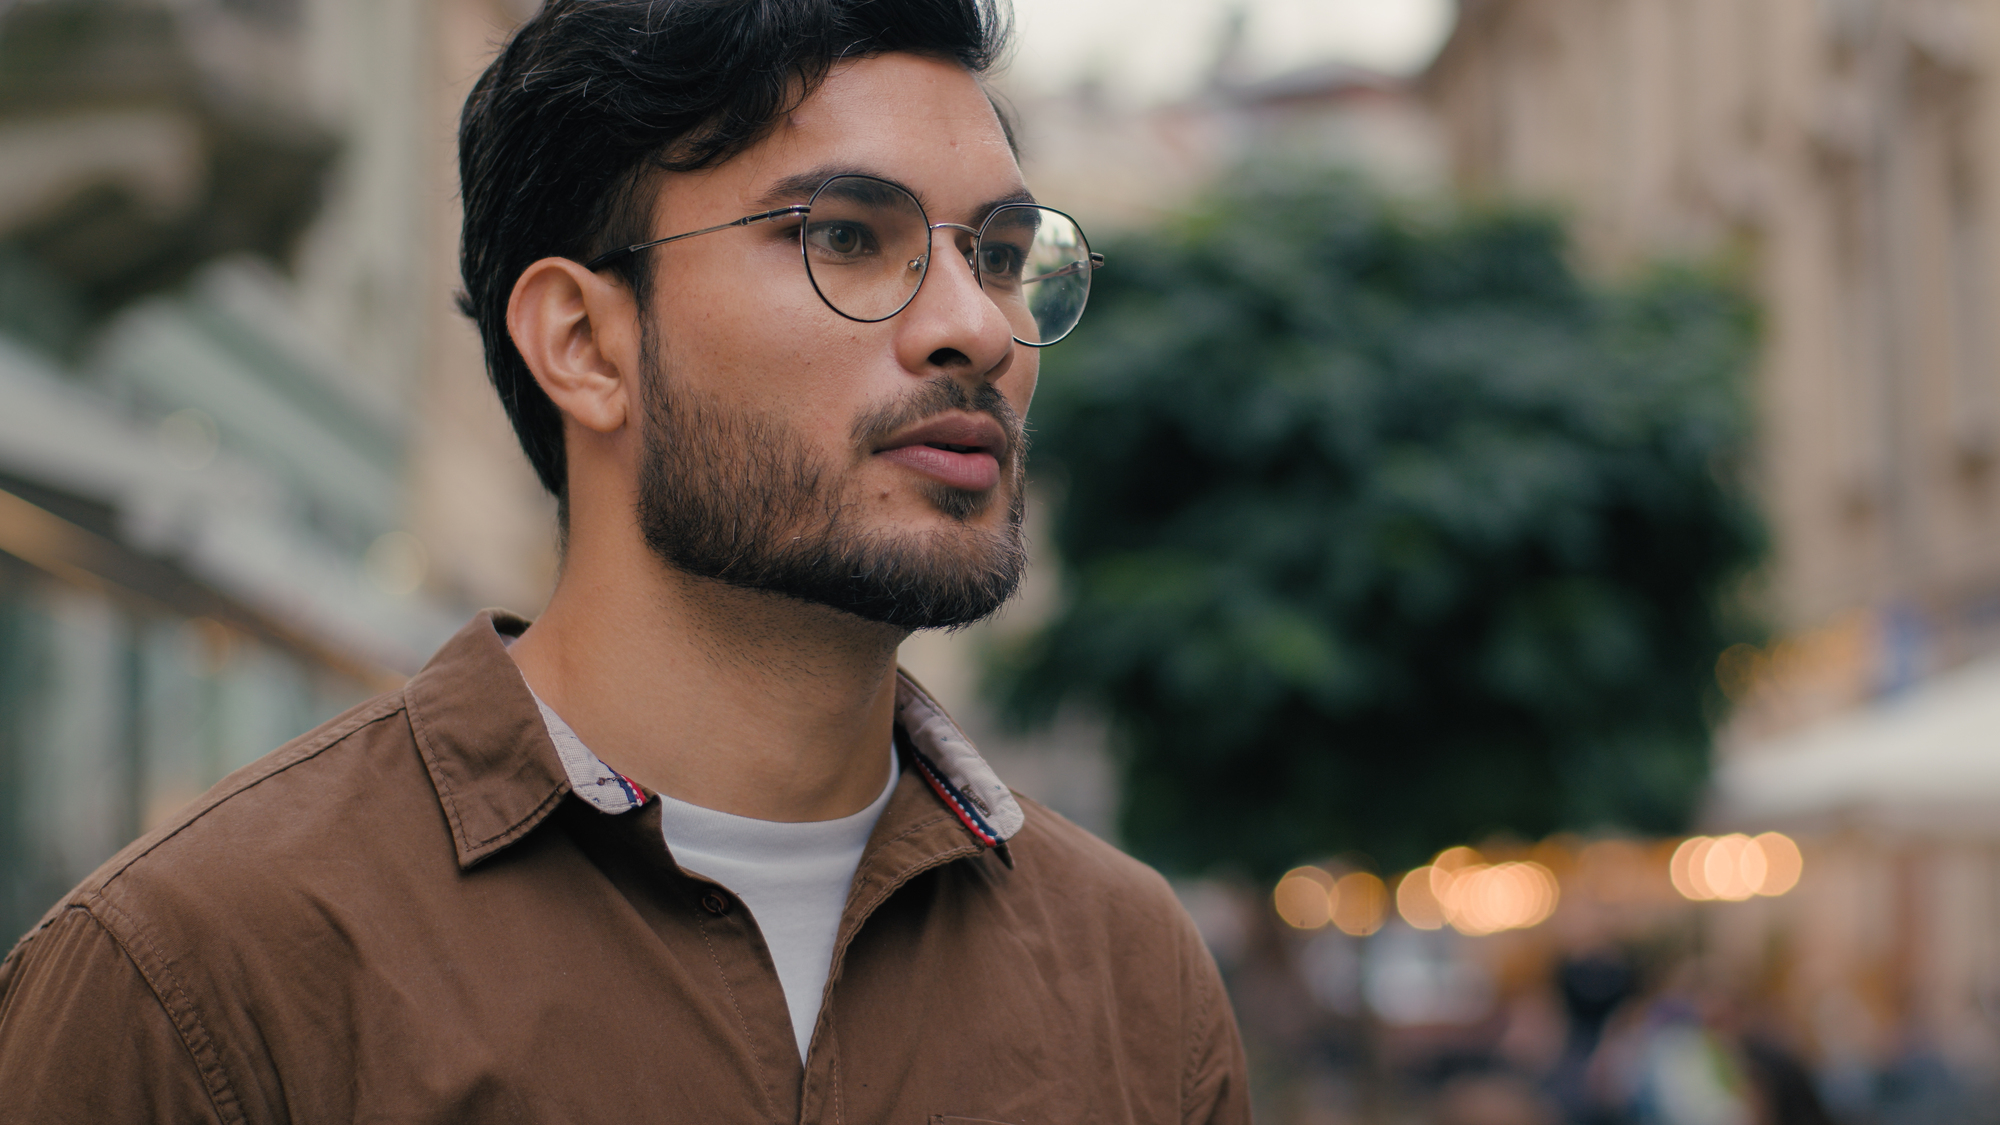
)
(956, 802)
(633, 793)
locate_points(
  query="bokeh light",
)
(1783, 863)
(1416, 902)
(1477, 894)
(1735, 867)
(1360, 903)
(1487, 898)
(1474, 897)
(1304, 898)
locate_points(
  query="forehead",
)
(923, 122)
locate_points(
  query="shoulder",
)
(1089, 876)
(85, 1035)
(1051, 838)
(260, 826)
(1111, 919)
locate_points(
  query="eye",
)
(840, 239)
(998, 259)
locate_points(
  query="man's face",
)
(876, 468)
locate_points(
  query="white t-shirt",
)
(793, 877)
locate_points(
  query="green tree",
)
(1385, 531)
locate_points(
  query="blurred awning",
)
(89, 493)
(76, 555)
(1927, 759)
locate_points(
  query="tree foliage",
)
(1385, 531)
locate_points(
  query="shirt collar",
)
(499, 772)
(952, 767)
(600, 786)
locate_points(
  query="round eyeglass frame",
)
(1091, 261)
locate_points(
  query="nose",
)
(952, 326)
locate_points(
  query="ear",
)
(579, 333)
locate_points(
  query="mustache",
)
(935, 397)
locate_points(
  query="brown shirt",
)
(407, 916)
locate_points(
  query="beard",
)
(735, 498)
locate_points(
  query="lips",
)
(962, 451)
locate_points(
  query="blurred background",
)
(1517, 536)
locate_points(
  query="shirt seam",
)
(845, 938)
(1202, 1001)
(302, 754)
(735, 1005)
(912, 830)
(186, 1017)
(448, 796)
(892, 882)
(419, 730)
(839, 1087)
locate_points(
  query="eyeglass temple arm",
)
(1095, 262)
(609, 256)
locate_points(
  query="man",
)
(761, 289)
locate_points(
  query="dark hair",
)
(561, 135)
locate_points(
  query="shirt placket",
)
(703, 924)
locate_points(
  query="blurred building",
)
(250, 469)
(1116, 165)
(1846, 155)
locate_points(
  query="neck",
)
(735, 700)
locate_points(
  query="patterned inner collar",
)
(946, 760)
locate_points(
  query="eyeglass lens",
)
(867, 248)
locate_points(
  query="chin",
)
(963, 506)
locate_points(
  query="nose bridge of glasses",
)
(961, 227)
(965, 254)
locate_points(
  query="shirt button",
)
(714, 903)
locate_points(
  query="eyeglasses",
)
(867, 249)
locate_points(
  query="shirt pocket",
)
(941, 1119)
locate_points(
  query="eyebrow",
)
(799, 187)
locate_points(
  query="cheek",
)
(1019, 382)
(742, 344)
(782, 364)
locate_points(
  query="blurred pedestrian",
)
(1786, 1092)
(1593, 987)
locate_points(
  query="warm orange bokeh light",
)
(1477, 897)
(1451, 859)
(1304, 898)
(1360, 904)
(1687, 860)
(1783, 863)
(1416, 902)
(1485, 899)
(1732, 868)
